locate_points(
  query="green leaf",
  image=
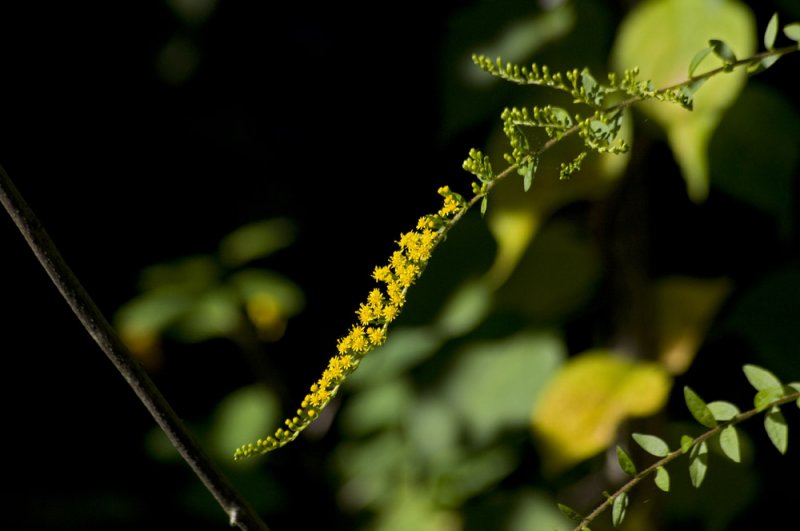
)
(765, 397)
(771, 32)
(651, 444)
(649, 31)
(763, 64)
(686, 443)
(592, 89)
(528, 170)
(697, 59)
(729, 441)
(760, 378)
(494, 384)
(484, 204)
(722, 410)
(777, 429)
(625, 462)
(611, 389)
(256, 240)
(698, 408)
(561, 117)
(662, 479)
(619, 508)
(698, 463)
(796, 387)
(723, 51)
(570, 513)
(792, 31)
(687, 93)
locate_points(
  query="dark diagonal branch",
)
(240, 513)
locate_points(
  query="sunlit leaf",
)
(722, 410)
(662, 479)
(244, 415)
(771, 32)
(698, 58)
(625, 462)
(686, 443)
(729, 442)
(474, 474)
(760, 378)
(765, 397)
(484, 204)
(698, 408)
(380, 407)
(796, 387)
(256, 240)
(661, 37)
(578, 413)
(698, 463)
(619, 508)
(217, 313)
(651, 444)
(792, 31)
(686, 307)
(495, 383)
(465, 309)
(405, 348)
(777, 429)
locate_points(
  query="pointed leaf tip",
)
(760, 378)
(625, 462)
(619, 508)
(662, 479)
(771, 32)
(698, 408)
(777, 429)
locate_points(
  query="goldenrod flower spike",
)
(382, 306)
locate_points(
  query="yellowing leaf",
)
(685, 309)
(578, 413)
(661, 37)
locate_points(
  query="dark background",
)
(327, 114)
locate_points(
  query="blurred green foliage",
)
(488, 404)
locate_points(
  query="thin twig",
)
(238, 510)
(679, 452)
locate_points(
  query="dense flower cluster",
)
(382, 306)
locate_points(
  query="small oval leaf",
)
(792, 31)
(698, 464)
(698, 408)
(697, 59)
(760, 378)
(484, 204)
(686, 443)
(729, 441)
(777, 430)
(722, 410)
(619, 508)
(765, 397)
(651, 444)
(662, 479)
(771, 32)
(723, 51)
(625, 462)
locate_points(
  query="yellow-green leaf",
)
(662, 479)
(578, 412)
(661, 37)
